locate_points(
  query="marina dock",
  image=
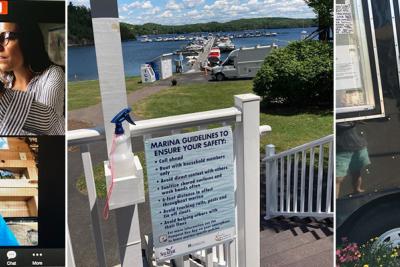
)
(203, 56)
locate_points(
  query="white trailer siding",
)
(250, 60)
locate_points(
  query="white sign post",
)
(191, 187)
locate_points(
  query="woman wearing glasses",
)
(32, 100)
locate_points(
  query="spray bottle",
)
(122, 153)
(121, 157)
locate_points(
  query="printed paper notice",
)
(344, 18)
(191, 188)
(348, 72)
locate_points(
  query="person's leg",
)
(357, 181)
(359, 161)
(338, 183)
(342, 167)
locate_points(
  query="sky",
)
(178, 12)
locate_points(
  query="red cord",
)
(106, 210)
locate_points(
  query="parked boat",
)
(303, 35)
(215, 52)
(225, 44)
(194, 47)
(145, 39)
(270, 34)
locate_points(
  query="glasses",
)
(5, 37)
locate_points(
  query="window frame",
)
(364, 28)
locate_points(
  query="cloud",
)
(231, 7)
(174, 12)
(154, 11)
(219, 4)
(172, 5)
(193, 13)
(192, 3)
(241, 8)
(166, 14)
(127, 7)
(147, 5)
(81, 3)
(136, 5)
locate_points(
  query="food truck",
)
(368, 101)
(242, 63)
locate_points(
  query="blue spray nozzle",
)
(120, 118)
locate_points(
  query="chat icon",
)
(11, 254)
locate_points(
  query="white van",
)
(242, 63)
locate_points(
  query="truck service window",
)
(354, 82)
(230, 61)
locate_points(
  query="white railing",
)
(295, 186)
(244, 250)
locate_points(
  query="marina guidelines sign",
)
(191, 187)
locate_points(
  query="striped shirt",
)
(39, 110)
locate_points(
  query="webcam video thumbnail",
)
(19, 191)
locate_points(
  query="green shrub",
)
(300, 74)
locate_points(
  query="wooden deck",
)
(296, 242)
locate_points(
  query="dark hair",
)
(32, 45)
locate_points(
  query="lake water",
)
(82, 60)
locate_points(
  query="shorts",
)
(347, 162)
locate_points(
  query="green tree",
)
(126, 32)
(324, 11)
(80, 30)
